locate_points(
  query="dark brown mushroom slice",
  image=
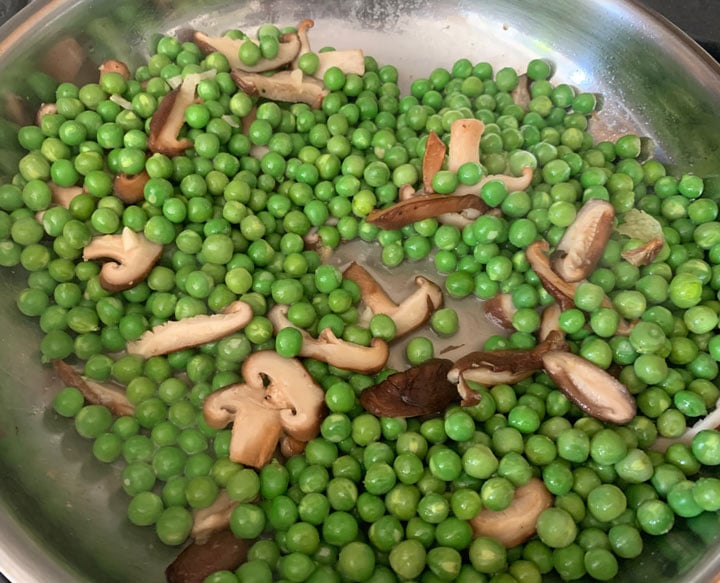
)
(422, 207)
(420, 390)
(223, 551)
(130, 188)
(584, 241)
(500, 310)
(108, 394)
(550, 322)
(169, 118)
(433, 159)
(286, 86)
(644, 254)
(594, 390)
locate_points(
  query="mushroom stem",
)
(330, 349)
(409, 314)
(189, 332)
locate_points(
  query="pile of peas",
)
(372, 499)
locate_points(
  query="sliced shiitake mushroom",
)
(644, 254)
(584, 241)
(420, 390)
(515, 524)
(289, 86)
(500, 310)
(424, 206)
(591, 388)
(108, 394)
(223, 551)
(433, 160)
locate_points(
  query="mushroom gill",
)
(595, 391)
(169, 118)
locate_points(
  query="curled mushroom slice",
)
(495, 367)
(422, 207)
(591, 388)
(288, 49)
(350, 61)
(169, 118)
(561, 290)
(189, 332)
(433, 159)
(330, 349)
(222, 551)
(644, 254)
(584, 241)
(213, 518)
(420, 390)
(464, 145)
(289, 86)
(109, 394)
(512, 183)
(710, 421)
(500, 310)
(516, 523)
(132, 255)
(409, 314)
(114, 66)
(130, 188)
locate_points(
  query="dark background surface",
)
(698, 18)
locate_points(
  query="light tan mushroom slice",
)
(287, 86)
(500, 310)
(114, 66)
(424, 206)
(256, 427)
(302, 34)
(515, 524)
(550, 322)
(130, 188)
(290, 390)
(433, 159)
(591, 388)
(710, 421)
(109, 394)
(349, 61)
(63, 195)
(584, 241)
(332, 350)
(189, 332)
(644, 254)
(512, 183)
(409, 314)
(288, 50)
(43, 110)
(464, 145)
(215, 517)
(132, 255)
(169, 118)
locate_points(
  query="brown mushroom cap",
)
(169, 118)
(177, 335)
(591, 388)
(420, 390)
(433, 160)
(222, 551)
(288, 50)
(409, 314)
(584, 241)
(289, 86)
(516, 523)
(108, 394)
(130, 188)
(132, 255)
(424, 206)
(332, 350)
